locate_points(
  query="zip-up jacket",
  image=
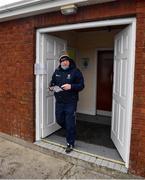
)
(72, 76)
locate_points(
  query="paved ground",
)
(17, 161)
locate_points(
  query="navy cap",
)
(64, 58)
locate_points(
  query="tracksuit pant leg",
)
(60, 114)
(70, 121)
(65, 116)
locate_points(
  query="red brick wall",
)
(17, 82)
(17, 79)
(137, 155)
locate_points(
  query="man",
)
(69, 81)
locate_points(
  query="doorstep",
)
(82, 158)
(75, 157)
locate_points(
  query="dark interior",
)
(91, 131)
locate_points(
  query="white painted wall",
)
(87, 102)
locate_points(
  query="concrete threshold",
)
(77, 158)
(82, 158)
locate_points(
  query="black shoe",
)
(69, 148)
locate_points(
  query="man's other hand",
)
(51, 88)
(66, 86)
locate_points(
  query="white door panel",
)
(52, 49)
(122, 62)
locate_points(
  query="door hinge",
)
(40, 69)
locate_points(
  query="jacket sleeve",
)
(78, 84)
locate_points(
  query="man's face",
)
(65, 64)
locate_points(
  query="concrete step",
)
(81, 158)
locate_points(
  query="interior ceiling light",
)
(69, 9)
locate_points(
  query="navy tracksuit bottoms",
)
(66, 118)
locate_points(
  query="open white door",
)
(52, 48)
(120, 129)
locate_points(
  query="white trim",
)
(104, 113)
(131, 21)
(131, 86)
(87, 112)
(33, 7)
(37, 95)
(93, 24)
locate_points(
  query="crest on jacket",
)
(68, 76)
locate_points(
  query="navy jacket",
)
(71, 76)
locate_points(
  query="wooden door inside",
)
(104, 80)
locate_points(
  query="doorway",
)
(41, 72)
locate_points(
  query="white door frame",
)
(41, 31)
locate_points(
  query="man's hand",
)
(66, 86)
(51, 88)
